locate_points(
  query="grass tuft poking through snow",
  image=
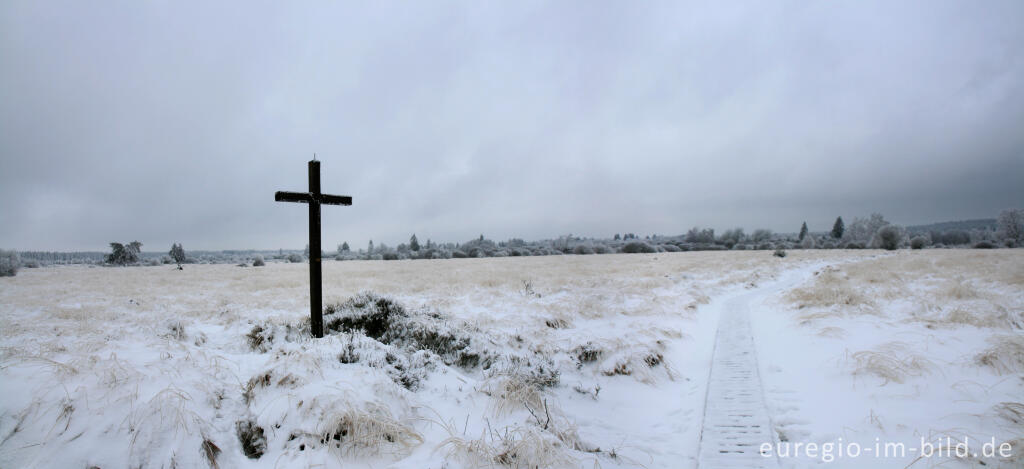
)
(892, 362)
(1005, 355)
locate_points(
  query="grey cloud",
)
(177, 122)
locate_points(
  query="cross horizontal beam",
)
(307, 197)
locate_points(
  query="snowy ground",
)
(577, 361)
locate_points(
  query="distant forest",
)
(872, 232)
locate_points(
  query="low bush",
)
(637, 247)
(888, 237)
(294, 258)
(582, 249)
(918, 242)
(257, 261)
(984, 245)
(384, 320)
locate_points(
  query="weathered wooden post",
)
(314, 198)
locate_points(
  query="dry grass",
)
(1005, 354)
(892, 362)
(950, 288)
(1011, 412)
(524, 446)
(830, 288)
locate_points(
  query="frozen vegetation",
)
(869, 232)
(570, 361)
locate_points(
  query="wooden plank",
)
(328, 199)
(301, 197)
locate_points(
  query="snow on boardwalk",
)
(736, 420)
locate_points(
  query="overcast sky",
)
(176, 122)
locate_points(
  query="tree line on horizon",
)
(872, 232)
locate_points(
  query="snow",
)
(151, 366)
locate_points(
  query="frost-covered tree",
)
(837, 228)
(863, 230)
(9, 263)
(1011, 226)
(803, 231)
(121, 254)
(177, 254)
(808, 242)
(343, 248)
(732, 237)
(414, 244)
(697, 235)
(369, 249)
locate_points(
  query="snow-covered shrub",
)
(383, 319)
(9, 263)
(888, 237)
(257, 261)
(918, 242)
(951, 237)
(983, 245)
(808, 242)
(582, 249)
(637, 247)
(294, 258)
(779, 253)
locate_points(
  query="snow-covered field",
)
(576, 361)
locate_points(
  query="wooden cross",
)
(314, 198)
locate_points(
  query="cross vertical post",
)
(315, 199)
(316, 319)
